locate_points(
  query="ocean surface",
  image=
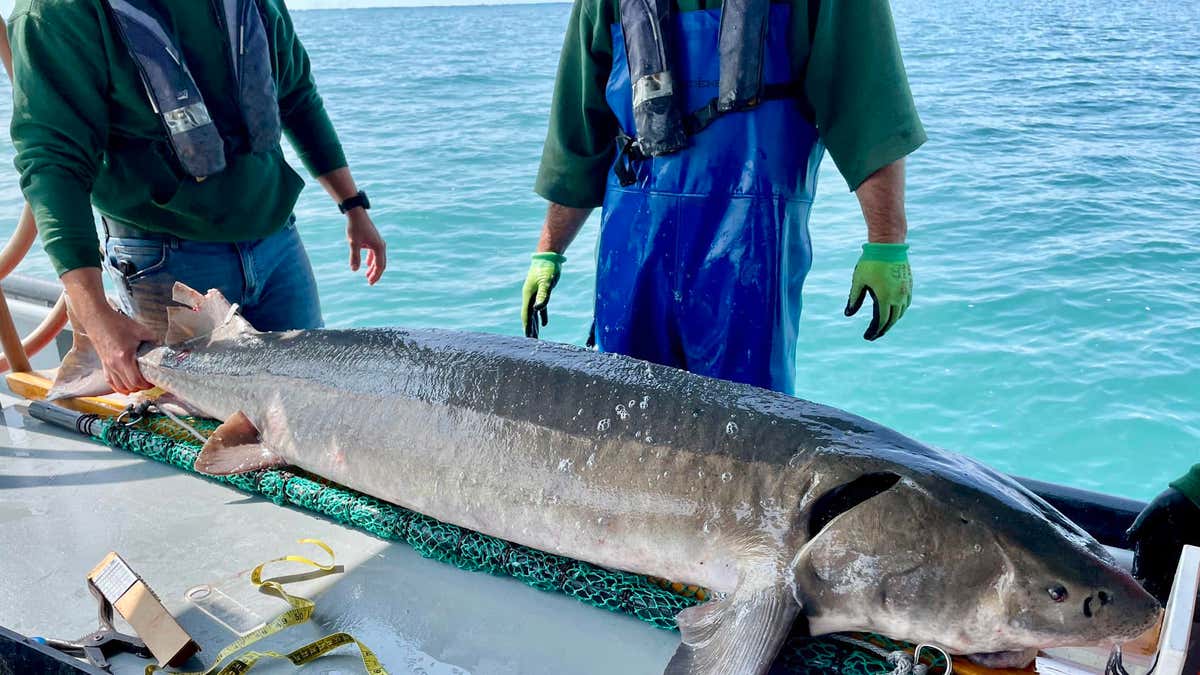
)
(1054, 215)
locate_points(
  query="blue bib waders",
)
(703, 252)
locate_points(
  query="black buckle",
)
(628, 152)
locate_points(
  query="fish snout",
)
(1124, 609)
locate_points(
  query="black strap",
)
(647, 27)
(629, 151)
(700, 119)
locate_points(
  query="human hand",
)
(544, 271)
(884, 272)
(361, 234)
(116, 339)
(1158, 536)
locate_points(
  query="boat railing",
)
(17, 350)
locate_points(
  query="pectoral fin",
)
(236, 447)
(740, 634)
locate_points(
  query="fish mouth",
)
(1017, 659)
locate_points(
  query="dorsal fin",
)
(203, 316)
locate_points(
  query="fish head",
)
(978, 567)
(1061, 592)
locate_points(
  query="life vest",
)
(194, 138)
(660, 125)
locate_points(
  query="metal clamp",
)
(99, 645)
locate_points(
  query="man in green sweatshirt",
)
(166, 116)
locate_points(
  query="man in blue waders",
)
(699, 127)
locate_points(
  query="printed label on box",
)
(115, 579)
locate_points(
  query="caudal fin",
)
(80, 373)
(207, 315)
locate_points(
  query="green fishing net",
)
(655, 601)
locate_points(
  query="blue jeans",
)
(271, 279)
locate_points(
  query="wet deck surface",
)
(65, 502)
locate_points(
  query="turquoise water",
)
(1055, 217)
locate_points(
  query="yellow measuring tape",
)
(301, 611)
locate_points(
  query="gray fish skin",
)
(653, 470)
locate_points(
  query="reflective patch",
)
(185, 119)
(652, 86)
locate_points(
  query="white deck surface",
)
(65, 502)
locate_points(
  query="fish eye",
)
(1057, 593)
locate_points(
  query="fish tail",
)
(81, 373)
(208, 315)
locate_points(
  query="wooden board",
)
(962, 665)
(35, 385)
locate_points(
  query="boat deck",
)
(65, 502)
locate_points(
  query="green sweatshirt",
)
(853, 80)
(1189, 485)
(85, 132)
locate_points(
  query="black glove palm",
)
(1158, 537)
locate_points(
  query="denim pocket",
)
(134, 259)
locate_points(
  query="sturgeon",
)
(788, 510)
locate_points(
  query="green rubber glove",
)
(543, 276)
(883, 272)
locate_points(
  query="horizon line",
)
(337, 5)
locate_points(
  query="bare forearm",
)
(85, 293)
(360, 229)
(881, 197)
(562, 225)
(339, 184)
(115, 336)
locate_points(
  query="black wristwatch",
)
(354, 202)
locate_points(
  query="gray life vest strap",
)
(195, 140)
(251, 56)
(646, 25)
(743, 38)
(659, 126)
